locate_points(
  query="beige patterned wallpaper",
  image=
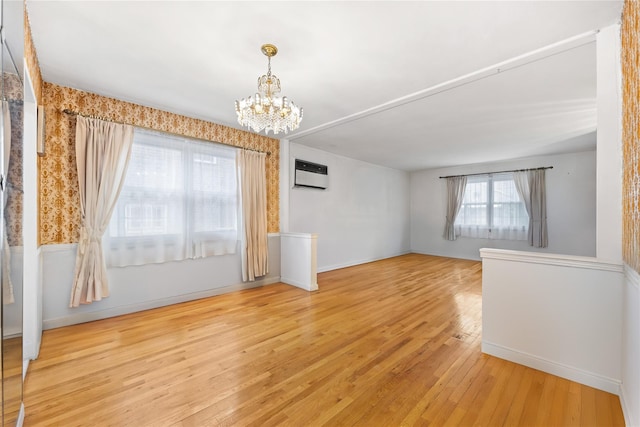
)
(59, 201)
(32, 59)
(12, 87)
(630, 53)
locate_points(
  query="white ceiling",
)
(11, 16)
(379, 81)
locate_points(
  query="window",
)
(179, 200)
(492, 209)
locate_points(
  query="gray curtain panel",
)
(532, 190)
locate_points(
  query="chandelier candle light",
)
(266, 109)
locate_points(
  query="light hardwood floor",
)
(390, 343)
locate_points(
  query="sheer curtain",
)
(179, 201)
(531, 187)
(492, 209)
(255, 258)
(455, 194)
(509, 220)
(102, 155)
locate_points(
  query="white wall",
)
(362, 216)
(630, 396)
(556, 313)
(571, 207)
(32, 286)
(142, 287)
(609, 177)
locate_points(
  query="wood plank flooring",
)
(390, 343)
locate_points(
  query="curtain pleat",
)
(538, 227)
(102, 154)
(455, 196)
(253, 183)
(532, 190)
(521, 180)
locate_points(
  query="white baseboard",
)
(118, 311)
(626, 408)
(456, 256)
(352, 263)
(298, 284)
(569, 372)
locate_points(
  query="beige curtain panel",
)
(102, 154)
(253, 184)
(455, 196)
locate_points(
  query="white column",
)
(32, 284)
(609, 148)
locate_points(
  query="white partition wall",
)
(556, 313)
(298, 255)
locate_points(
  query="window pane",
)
(508, 210)
(492, 209)
(179, 200)
(509, 215)
(214, 192)
(476, 192)
(154, 167)
(505, 191)
(147, 213)
(473, 214)
(474, 204)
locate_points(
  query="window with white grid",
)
(492, 209)
(179, 200)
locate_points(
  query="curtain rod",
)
(106, 119)
(491, 173)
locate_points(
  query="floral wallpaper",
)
(630, 54)
(59, 200)
(32, 59)
(12, 87)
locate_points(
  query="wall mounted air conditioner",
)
(311, 175)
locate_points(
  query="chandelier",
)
(266, 109)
